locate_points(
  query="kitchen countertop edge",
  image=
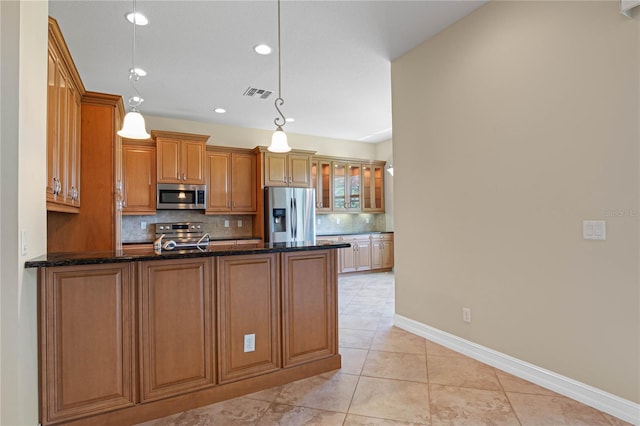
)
(96, 258)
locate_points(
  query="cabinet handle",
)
(234, 204)
(184, 177)
(228, 204)
(124, 203)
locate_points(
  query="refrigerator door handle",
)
(294, 219)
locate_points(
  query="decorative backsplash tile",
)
(337, 223)
(213, 224)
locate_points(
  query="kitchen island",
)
(127, 338)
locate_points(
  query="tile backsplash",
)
(132, 231)
(326, 224)
(337, 223)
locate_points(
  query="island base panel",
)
(158, 409)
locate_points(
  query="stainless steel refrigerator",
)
(290, 215)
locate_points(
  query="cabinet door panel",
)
(139, 179)
(192, 162)
(376, 254)
(87, 348)
(387, 254)
(248, 304)
(299, 170)
(63, 136)
(363, 255)
(218, 184)
(243, 182)
(53, 150)
(309, 306)
(275, 169)
(168, 153)
(176, 349)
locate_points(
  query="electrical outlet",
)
(249, 342)
(226, 223)
(466, 315)
(319, 221)
(239, 224)
(366, 220)
(338, 221)
(143, 225)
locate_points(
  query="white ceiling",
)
(336, 57)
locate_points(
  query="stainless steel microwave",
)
(178, 196)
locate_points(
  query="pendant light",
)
(133, 126)
(279, 138)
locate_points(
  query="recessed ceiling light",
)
(220, 110)
(140, 19)
(290, 120)
(262, 49)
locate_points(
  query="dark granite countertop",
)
(94, 258)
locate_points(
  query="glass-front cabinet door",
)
(339, 186)
(346, 186)
(373, 187)
(321, 181)
(354, 202)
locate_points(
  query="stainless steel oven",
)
(178, 196)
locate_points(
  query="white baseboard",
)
(593, 397)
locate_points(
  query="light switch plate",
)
(226, 223)
(594, 229)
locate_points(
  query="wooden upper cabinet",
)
(291, 169)
(64, 92)
(231, 181)
(373, 187)
(243, 182)
(138, 177)
(321, 181)
(346, 186)
(180, 157)
(87, 332)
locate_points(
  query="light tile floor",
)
(392, 377)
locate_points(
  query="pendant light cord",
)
(279, 121)
(134, 101)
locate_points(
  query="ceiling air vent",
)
(252, 92)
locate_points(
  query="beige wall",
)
(511, 127)
(23, 166)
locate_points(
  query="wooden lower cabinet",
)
(309, 299)
(248, 309)
(382, 251)
(176, 323)
(358, 256)
(87, 350)
(124, 343)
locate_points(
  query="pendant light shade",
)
(133, 126)
(279, 141)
